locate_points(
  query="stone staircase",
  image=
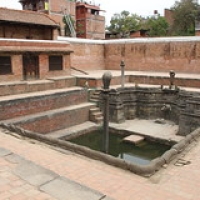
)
(96, 115)
(94, 96)
(45, 106)
(23, 87)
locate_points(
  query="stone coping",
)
(128, 40)
(144, 170)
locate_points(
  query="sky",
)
(140, 7)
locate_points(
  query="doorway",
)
(30, 66)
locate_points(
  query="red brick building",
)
(27, 25)
(33, 59)
(89, 23)
(27, 46)
(28, 49)
(87, 20)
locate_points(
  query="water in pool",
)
(141, 154)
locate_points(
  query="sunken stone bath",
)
(144, 170)
(122, 146)
(177, 105)
(158, 103)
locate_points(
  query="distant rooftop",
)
(26, 17)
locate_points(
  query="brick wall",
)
(57, 9)
(57, 121)
(88, 56)
(44, 67)
(17, 48)
(158, 55)
(23, 32)
(32, 105)
(95, 27)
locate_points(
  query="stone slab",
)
(135, 139)
(34, 174)
(14, 158)
(63, 188)
(4, 152)
(86, 126)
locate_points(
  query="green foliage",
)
(123, 23)
(157, 26)
(185, 12)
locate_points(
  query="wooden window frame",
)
(55, 63)
(5, 65)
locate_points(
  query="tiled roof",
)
(26, 17)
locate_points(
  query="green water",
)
(141, 154)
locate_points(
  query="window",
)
(55, 63)
(5, 65)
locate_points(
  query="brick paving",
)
(173, 182)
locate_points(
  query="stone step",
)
(21, 87)
(94, 109)
(96, 115)
(94, 95)
(52, 120)
(99, 120)
(63, 81)
(30, 103)
(73, 130)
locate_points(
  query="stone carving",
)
(172, 78)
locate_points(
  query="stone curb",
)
(144, 170)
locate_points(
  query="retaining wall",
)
(56, 120)
(176, 105)
(181, 54)
(33, 103)
(161, 54)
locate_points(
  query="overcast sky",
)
(140, 7)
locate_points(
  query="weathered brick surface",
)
(181, 56)
(58, 121)
(17, 48)
(26, 106)
(20, 31)
(88, 56)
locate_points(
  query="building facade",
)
(89, 23)
(33, 59)
(83, 18)
(27, 25)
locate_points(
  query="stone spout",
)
(166, 108)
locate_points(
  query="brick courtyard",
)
(174, 181)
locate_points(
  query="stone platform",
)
(134, 139)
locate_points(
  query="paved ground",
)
(36, 171)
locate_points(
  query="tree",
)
(185, 12)
(157, 26)
(124, 22)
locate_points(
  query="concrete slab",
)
(63, 188)
(34, 174)
(134, 139)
